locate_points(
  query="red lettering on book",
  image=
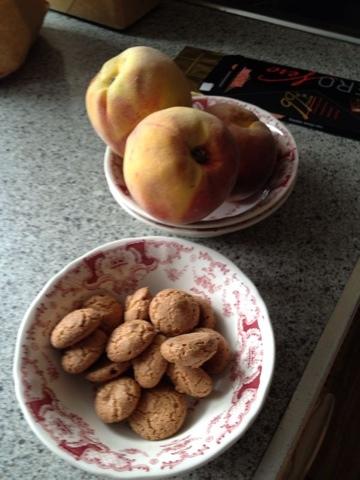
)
(292, 76)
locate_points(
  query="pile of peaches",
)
(179, 162)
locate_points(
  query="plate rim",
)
(210, 233)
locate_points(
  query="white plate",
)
(213, 231)
(229, 213)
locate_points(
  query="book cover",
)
(316, 100)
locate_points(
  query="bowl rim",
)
(42, 436)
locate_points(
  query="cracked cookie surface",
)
(207, 314)
(75, 326)
(129, 340)
(150, 365)
(218, 362)
(190, 349)
(116, 400)
(106, 371)
(109, 308)
(160, 413)
(82, 355)
(191, 381)
(137, 305)
(174, 312)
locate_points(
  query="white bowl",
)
(59, 407)
(231, 211)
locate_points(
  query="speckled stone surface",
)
(55, 206)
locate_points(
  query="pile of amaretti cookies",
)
(145, 357)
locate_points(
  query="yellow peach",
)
(130, 86)
(257, 147)
(180, 164)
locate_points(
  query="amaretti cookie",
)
(82, 355)
(109, 308)
(160, 413)
(174, 312)
(190, 349)
(191, 381)
(137, 305)
(75, 326)
(129, 340)
(150, 366)
(116, 400)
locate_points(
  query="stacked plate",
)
(232, 215)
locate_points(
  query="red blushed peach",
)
(256, 144)
(180, 164)
(139, 81)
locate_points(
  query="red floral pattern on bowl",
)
(59, 407)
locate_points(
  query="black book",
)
(316, 100)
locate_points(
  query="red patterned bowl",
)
(59, 407)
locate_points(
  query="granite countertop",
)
(55, 205)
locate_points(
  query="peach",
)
(130, 86)
(257, 147)
(180, 164)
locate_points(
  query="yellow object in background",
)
(20, 22)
